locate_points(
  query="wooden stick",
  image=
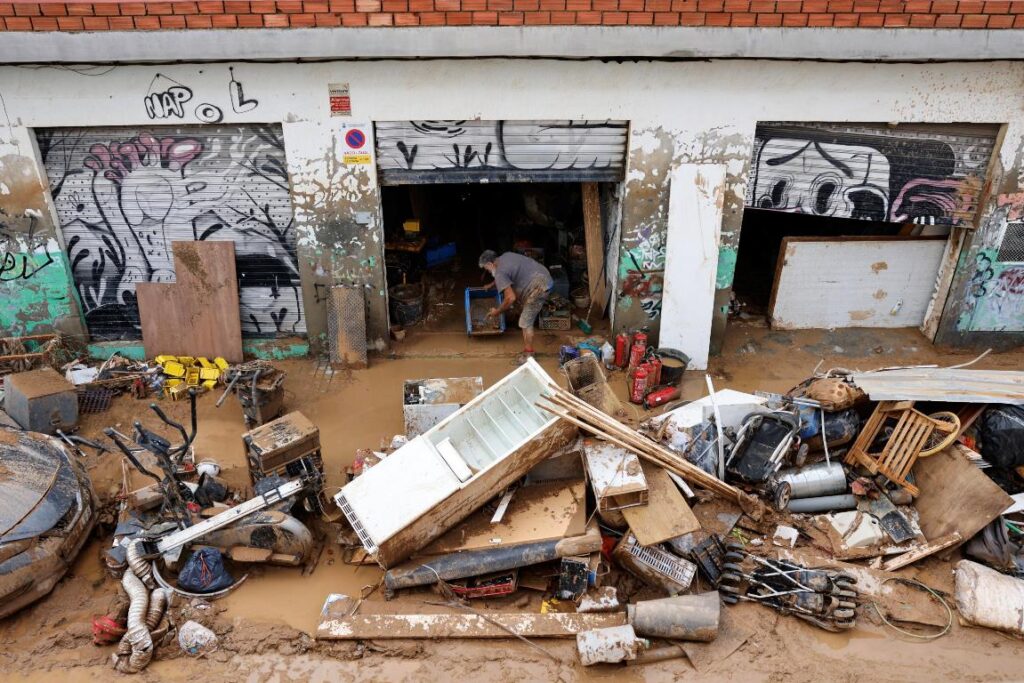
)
(922, 551)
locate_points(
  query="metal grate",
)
(94, 400)
(353, 519)
(665, 563)
(1011, 250)
(346, 325)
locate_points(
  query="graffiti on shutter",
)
(123, 195)
(500, 151)
(924, 175)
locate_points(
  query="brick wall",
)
(150, 16)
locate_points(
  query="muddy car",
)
(47, 511)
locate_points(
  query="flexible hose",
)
(139, 565)
(157, 606)
(138, 637)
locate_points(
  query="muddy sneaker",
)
(523, 357)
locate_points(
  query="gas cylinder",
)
(638, 384)
(637, 351)
(621, 349)
(660, 396)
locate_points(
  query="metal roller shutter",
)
(124, 194)
(417, 152)
(926, 174)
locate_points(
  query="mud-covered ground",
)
(265, 626)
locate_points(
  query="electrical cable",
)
(934, 593)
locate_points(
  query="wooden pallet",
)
(909, 437)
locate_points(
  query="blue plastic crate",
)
(476, 294)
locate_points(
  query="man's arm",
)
(509, 298)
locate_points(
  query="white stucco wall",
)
(679, 112)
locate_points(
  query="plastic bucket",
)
(673, 365)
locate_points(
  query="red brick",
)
(145, 23)
(666, 18)
(691, 19)
(133, 9)
(316, 6)
(563, 18)
(246, 20)
(743, 19)
(534, 5)
(183, 8)
(890, 6)
(762, 6)
(76, 23)
(631, 5)
(501, 5)
(289, 6)
(948, 21)
(684, 5)
(1017, 7)
(26, 10)
(552, 5)
(794, 20)
(736, 5)
(840, 6)
(944, 6)
(658, 5)
(970, 7)
(614, 18)
(44, 23)
(922, 20)
(510, 19)
(339, 6)
(1001, 21)
(896, 20)
(440, 5)
(210, 7)
(327, 19)
(536, 18)
(917, 6)
(276, 20)
(54, 10)
(974, 21)
(395, 6)
(355, 19)
(122, 23)
(302, 20)
(485, 18)
(18, 23)
(380, 19)
(991, 7)
(74, 10)
(459, 18)
(715, 6)
(262, 7)
(106, 9)
(819, 19)
(421, 5)
(577, 5)
(431, 19)
(191, 21)
(769, 19)
(871, 20)
(1018, 22)
(92, 23)
(474, 5)
(6, 9)
(845, 20)
(787, 6)
(717, 18)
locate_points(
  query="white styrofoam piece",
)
(860, 283)
(858, 529)
(454, 460)
(785, 536)
(696, 193)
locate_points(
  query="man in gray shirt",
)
(519, 278)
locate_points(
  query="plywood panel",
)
(595, 250)
(197, 315)
(854, 282)
(696, 194)
(666, 514)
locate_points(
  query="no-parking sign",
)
(355, 151)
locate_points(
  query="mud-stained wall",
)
(641, 259)
(36, 292)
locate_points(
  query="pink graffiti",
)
(1011, 281)
(942, 193)
(118, 159)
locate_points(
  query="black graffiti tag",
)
(168, 103)
(21, 266)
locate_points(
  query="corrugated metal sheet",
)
(943, 384)
(903, 174)
(411, 152)
(124, 194)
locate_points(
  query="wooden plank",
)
(832, 283)
(539, 512)
(337, 624)
(922, 551)
(594, 237)
(955, 495)
(197, 315)
(666, 514)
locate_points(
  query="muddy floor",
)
(265, 625)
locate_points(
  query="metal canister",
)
(638, 350)
(621, 349)
(655, 364)
(660, 396)
(638, 384)
(819, 479)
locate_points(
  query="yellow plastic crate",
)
(192, 377)
(160, 360)
(187, 361)
(173, 368)
(210, 383)
(221, 363)
(205, 362)
(209, 374)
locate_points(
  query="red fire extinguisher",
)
(638, 350)
(655, 364)
(621, 349)
(638, 384)
(660, 396)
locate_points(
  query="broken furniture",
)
(197, 314)
(438, 478)
(615, 475)
(259, 387)
(588, 381)
(908, 441)
(763, 444)
(428, 401)
(287, 447)
(41, 401)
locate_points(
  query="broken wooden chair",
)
(914, 435)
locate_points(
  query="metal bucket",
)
(673, 365)
(406, 304)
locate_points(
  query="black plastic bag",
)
(204, 572)
(1002, 436)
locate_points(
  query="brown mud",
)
(265, 626)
